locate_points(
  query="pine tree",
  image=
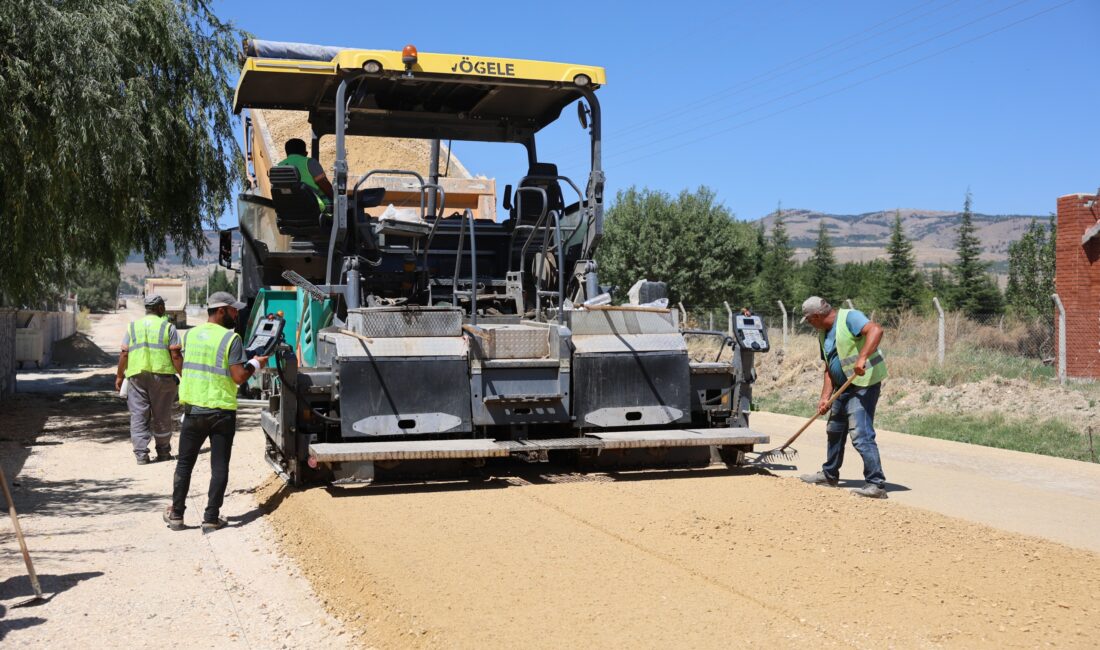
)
(973, 291)
(904, 286)
(776, 281)
(821, 267)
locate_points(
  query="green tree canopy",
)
(690, 241)
(1031, 271)
(218, 280)
(117, 133)
(861, 282)
(95, 286)
(821, 267)
(903, 286)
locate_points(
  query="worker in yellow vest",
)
(214, 364)
(849, 343)
(309, 170)
(149, 362)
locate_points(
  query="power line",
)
(678, 134)
(774, 73)
(768, 75)
(853, 85)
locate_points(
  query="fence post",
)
(729, 314)
(784, 310)
(710, 315)
(683, 315)
(941, 347)
(1061, 338)
(850, 305)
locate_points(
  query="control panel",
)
(267, 335)
(751, 333)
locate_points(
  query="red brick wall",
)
(1077, 281)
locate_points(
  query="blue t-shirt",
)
(856, 322)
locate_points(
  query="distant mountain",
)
(862, 237)
(171, 265)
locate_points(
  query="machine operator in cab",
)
(310, 171)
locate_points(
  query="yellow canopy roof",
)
(440, 96)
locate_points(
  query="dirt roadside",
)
(542, 557)
(115, 575)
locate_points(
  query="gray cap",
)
(223, 299)
(815, 306)
(153, 300)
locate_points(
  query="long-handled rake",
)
(785, 452)
(38, 597)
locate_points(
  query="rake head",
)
(781, 453)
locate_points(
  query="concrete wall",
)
(1077, 281)
(54, 327)
(7, 352)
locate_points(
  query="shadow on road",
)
(82, 498)
(890, 487)
(19, 588)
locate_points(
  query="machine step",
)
(679, 438)
(485, 448)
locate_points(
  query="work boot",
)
(143, 459)
(819, 479)
(211, 526)
(162, 456)
(871, 491)
(174, 521)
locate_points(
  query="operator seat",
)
(531, 202)
(297, 212)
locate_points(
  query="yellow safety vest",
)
(205, 380)
(148, 348)
(302, 164)
(848, 346)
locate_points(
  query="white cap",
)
(815, 306)
(224, 299)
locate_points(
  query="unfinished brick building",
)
(1077, 281)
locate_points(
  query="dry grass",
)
(1008, 349)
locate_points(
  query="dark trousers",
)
(219, 428)
(853, 413)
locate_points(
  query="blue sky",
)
(844, 106)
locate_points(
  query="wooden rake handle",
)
(818, 414)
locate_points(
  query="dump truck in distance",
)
(174, 292)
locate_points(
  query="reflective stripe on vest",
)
(302, 164)
(147, 350)
(847, 348)
(205, 380)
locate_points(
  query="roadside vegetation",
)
(996, 386)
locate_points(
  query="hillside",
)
(134, 269)
(862, 237)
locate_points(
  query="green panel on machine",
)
(305, 317)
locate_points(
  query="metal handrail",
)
(393, 172)
(561, 270)
(468, 215)
(538, 223)
(726, 339)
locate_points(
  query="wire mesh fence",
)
(1012, 346)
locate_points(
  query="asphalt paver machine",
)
(419, 340)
